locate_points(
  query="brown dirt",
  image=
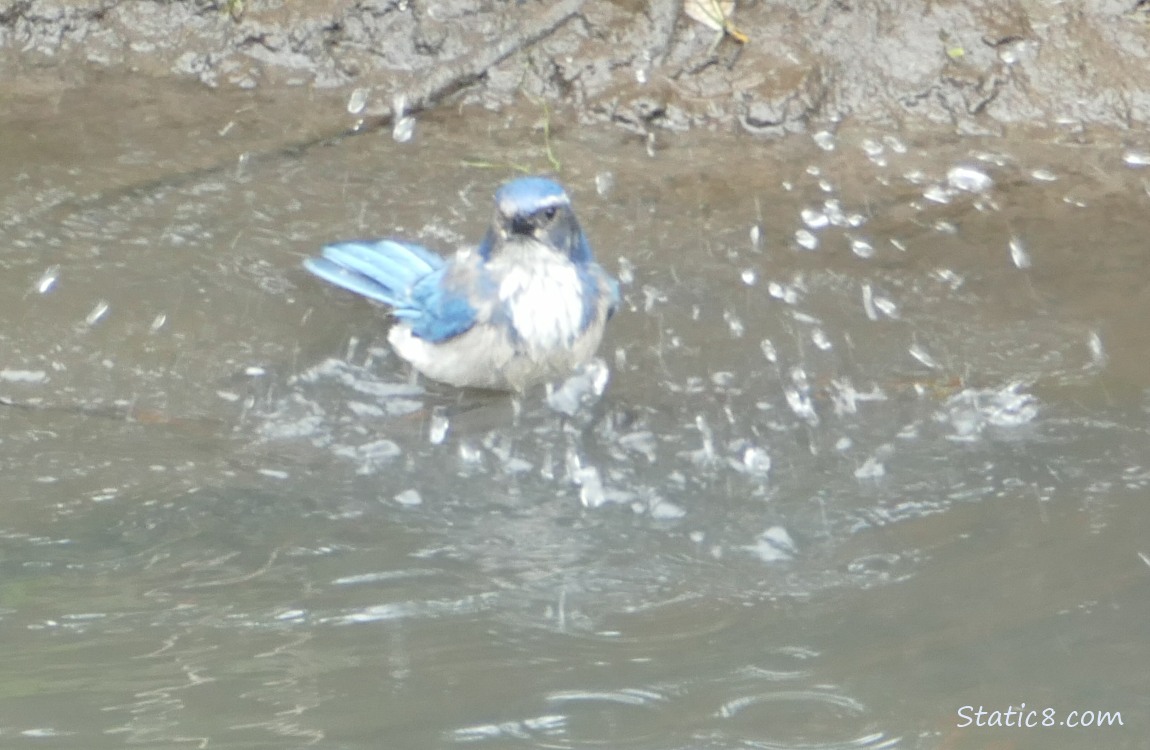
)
(978, 66)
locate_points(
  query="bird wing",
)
(440, 306)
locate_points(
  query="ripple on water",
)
(627, 717)
(810, 719)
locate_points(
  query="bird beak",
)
(522, 227)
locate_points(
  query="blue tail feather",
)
(384, 271)
(349, 280)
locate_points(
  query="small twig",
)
(556, 165)
(484, 164)
(446, 81)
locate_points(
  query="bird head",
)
(536, 208)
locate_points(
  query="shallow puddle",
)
(874, 446)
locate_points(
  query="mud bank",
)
(978, 66)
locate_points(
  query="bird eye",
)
(549, 213)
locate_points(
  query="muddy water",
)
(874, 449)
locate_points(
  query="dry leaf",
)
(715, 14)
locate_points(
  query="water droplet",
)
(862, 248)
(991, 157)
(787, 294)
(949, 277)
(799, 397)
(872, 468)
(1097, 352)
(756, 237)
(972, 410)
(706, 453)
(820, 339)
(756, 461)
(769, 351)
(1044, 175)
(872, 148)
(749, 276)
(604, 183)
(1136, 158)
(774, 545)
(1018, 253)
(825, 140)
(814, 218)
(404, 129)
(734, 324)
(158, 322)
(886, 306)
(47, 279)
(438, 425)
(626, 271)
(357, 101)
(591, 493)
(969, 179)
(915, 177)
(806, 239)
(664, 510)
(409, 498)
(868, 302)
(581, 389)
(98, 312)
(923, 356)
(894, 144)
(470, 454)
(23, 376)
(938, 194)
(833, 209)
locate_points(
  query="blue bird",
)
(528, 305)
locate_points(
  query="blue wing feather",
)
(409, 278)
(438, 309)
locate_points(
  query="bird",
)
(528, 305)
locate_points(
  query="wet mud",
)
(977, 66)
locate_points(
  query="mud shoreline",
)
(972, 67)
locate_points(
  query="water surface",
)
(873, 450)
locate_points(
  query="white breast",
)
(544, 300)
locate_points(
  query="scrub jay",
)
(528, 305)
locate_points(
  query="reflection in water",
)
(874, 436)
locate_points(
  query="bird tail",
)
(382, 270)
